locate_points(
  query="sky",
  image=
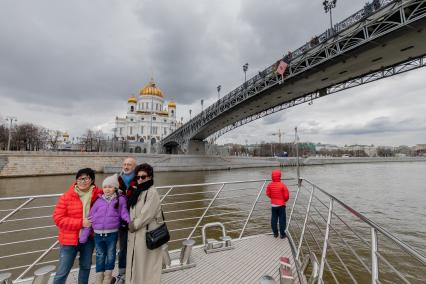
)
(71, 65)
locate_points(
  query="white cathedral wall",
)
(161, 126)
(138, 128)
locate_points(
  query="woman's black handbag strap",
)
(162, 214)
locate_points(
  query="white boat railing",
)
(346, 246)
(347, 243)
(28, 235)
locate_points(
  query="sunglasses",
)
(141, 177)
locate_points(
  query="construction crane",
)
(279, 134)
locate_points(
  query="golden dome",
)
(132, 100)
(171, 104)
(65, 134)
(151, 89)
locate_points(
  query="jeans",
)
(67, 255)
(278, 213)
(123, 234)
(105, 251)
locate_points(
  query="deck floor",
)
(251, 258)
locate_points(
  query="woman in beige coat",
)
(143, 265)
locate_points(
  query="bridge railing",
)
(269, 73)
(349, 246)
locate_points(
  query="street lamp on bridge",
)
(328, 6)
(218, 92)
(11, 120)
(190, 111)
(245, 68)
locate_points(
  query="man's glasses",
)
(85, 179)
(141, 177)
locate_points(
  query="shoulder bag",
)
(157, 237)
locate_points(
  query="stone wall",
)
(14, 164)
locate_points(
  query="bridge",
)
(385, 38)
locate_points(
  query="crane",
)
(279, 134)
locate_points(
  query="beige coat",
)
(144, 265)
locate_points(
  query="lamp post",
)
(202, 103)
(218, 92)
(11, 120)
(150, 132)
(328, 6)
(114, 138)
(245, 68)
(190, 111)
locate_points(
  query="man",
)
(126, 183)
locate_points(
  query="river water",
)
(391, 194)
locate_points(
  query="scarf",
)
(133, 199)
(127, 178)
(108, 198)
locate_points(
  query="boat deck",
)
(251, 258)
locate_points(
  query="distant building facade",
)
(147, 121)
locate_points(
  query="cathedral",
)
(147, 121)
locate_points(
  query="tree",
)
(53, 138)
(94, 141)
(4, 136)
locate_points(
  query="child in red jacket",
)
(277, 191)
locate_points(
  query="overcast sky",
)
(71, 65)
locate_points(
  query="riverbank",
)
(16, 164)
(313, 161)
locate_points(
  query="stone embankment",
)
(14, 164)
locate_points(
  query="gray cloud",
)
(71, 64)
(380, 125)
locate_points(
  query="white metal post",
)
(374, 259)
(205, 211)
(304, 223)
(252, 208)
(294, 204)
(326, 237)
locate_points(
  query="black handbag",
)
(157, 237)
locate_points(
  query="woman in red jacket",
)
(277, 191)
(70, 216)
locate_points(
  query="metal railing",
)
(320, 227)
(350, 247)
(28, 235)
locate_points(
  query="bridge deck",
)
(251, 258)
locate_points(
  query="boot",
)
(99, 277)
(108, 277)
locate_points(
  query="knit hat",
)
(111, 180)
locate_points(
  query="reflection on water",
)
(391, 194)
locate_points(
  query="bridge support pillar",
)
(196, 147)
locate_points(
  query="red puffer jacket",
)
(68, 215)
(276, 190)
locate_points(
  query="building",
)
(326, 147)
(147, 121)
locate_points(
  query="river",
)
(391, 194)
